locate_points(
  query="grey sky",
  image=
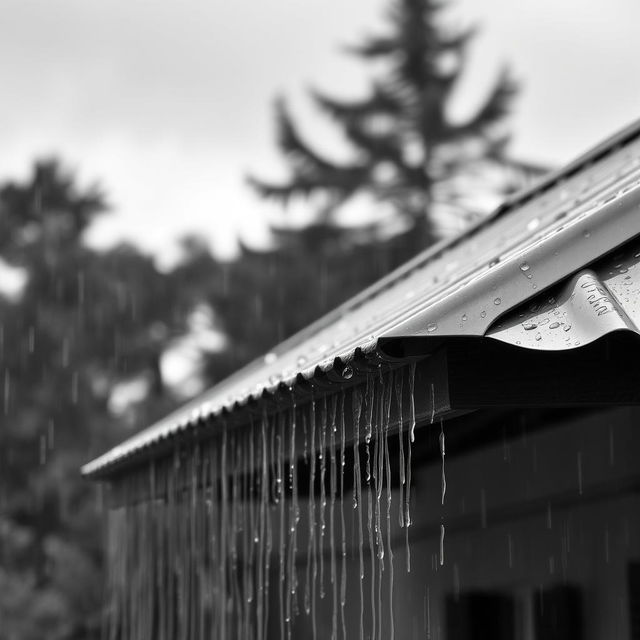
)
(168, 103)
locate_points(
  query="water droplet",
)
(525, 266)
(432, 326)
(587, 234)
(347, 373)
(551, 300)
(483, 314)
(497, 301)
(554, 325)
(623, 270)
(533, 224)
(494, 262)
(529, 326)
(301, 361)
(270, 358)
(464, 317)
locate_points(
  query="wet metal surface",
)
(587, 306)
(536, 247)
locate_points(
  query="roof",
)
(537, 274)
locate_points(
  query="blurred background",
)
(183, 185)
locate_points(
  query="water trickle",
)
(370, 401)
(357, 497)
(282, 512)
(312, 558)
(323, 496)
(398, 389)
(443, 477)
(343, 534)
(387, 464)
(264, 550)
(223, 517)
(294, 518)
(332, 504)
(410, 440)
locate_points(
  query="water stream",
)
(243, 534)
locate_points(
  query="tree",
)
(407, 152)
(409, 158)
(84, 322)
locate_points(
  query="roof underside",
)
(554, 268)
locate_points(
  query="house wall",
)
(555, 511)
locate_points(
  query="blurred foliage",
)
(407, 152)
(86, 322)
(408, 157)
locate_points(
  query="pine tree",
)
(83, 322)
(408, 153)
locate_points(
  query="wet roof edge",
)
(418, 324)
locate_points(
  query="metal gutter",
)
(472, 285)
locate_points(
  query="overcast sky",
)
(168, 104)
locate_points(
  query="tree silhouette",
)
(408, 156)
(84, 322)
(407, 151)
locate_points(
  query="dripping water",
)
(357, 497)
(332, 505)
(343, 569)
(387, 418)
(443, 479)
(407, 493)
(401, 465)
(311, 568)
(194, 560)
(323, 497)
(370, 401)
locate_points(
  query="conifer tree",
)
(407, 151)
(83, 322)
